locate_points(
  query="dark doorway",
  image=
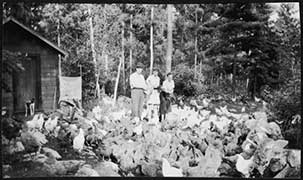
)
(27, 84)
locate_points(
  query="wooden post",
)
(151, 42)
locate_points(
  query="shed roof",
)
(54, 46)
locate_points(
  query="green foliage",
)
(28, 13)
(11, 63)
(185, 83)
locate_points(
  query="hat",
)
(139, 65)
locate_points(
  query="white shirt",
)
(168, 86)
(153, 81)
(137, 81)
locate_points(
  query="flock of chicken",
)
(195, 140)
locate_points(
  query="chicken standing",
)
(32, 123)
(32, 140)
(244, 165)
(51, 124)
(40, 122)
(79, 140)
(138, 129)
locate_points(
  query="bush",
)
(287, 103)
(185, 83)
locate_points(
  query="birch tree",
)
(91, 32)
(151, 41)
(169, 38)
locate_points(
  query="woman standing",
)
(166, 96)
(153, 103)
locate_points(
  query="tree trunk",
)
(117, 80)
(131, 47)
(234, 75)
(169, 38)
(106, 64)
(123, 60)
(97, 92)
(151, 42)
(59, 44)
(196, 48)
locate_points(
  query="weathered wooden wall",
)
(17, 39)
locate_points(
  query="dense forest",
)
(234, 50)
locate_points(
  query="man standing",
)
(138, 88)
(153, 103)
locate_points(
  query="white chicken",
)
(169, 171)
(51, 124)
(225, 111)
(138, 129)
(236, 116)
(205, 113)
(223, 122)
(40, 139)
(244, 166)
(72, 129)
(206, 102)
(233, 99)
(192, 119)
(78, 142)
(97, 112)
(53, 152)
(213, 117)
(218, 111)
(32, 123)
(40, 122)
(118, 115)
(257, 99)
(56, 131)
(243, 109)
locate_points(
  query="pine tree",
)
(245, 29)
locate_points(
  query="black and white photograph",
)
(151, 90)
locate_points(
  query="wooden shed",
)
(40, 78)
